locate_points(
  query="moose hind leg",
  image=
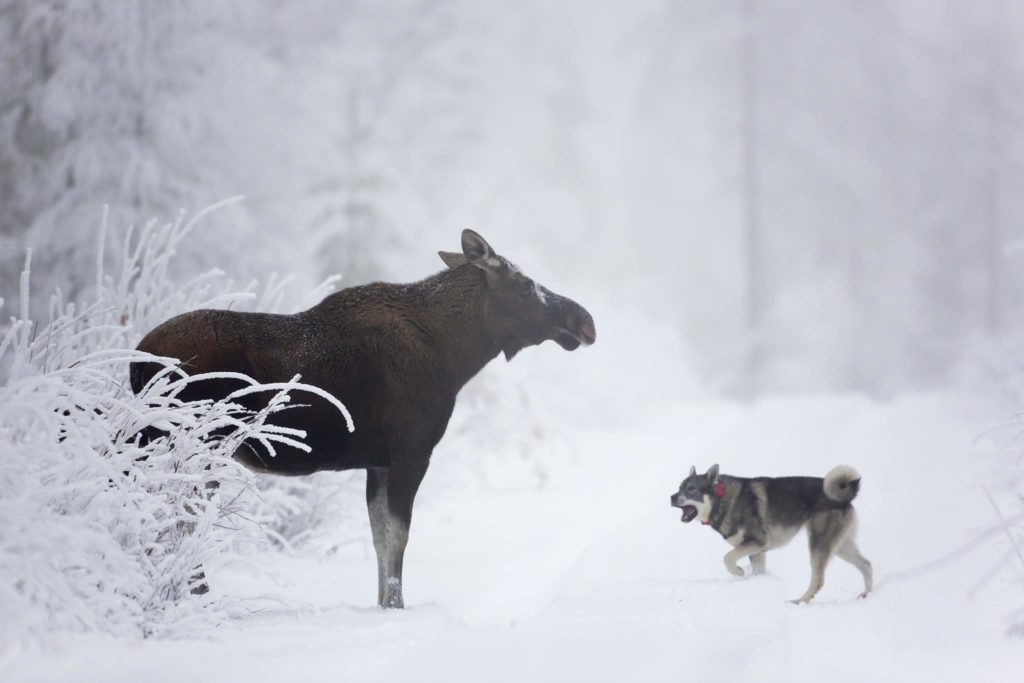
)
(377, 506)
(197, 583)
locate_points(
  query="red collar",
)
(719, 493)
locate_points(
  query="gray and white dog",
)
(761, 514)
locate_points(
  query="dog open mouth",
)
(689, 512)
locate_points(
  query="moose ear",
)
(451, 259)
(477, 251)
(712, 473)
(693, 470)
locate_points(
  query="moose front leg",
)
(402, 484)
(397, 538)
(377, 506)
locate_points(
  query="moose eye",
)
(525, 286)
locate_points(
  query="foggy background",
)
(792, 195)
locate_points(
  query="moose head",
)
(519, 311)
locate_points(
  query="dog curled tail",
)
(842, 484)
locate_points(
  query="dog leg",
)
(851, 553)
(758, 563)
(819, 560)
(738, 553)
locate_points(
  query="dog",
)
(764, 513)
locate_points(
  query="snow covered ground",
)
(588, 574)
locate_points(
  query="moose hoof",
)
(393, 595)
(734, 570)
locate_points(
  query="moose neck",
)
(453, 316)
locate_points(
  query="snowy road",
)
(594, 578)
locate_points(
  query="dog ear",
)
(712, 473)
(693, 470)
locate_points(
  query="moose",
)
(396, 355)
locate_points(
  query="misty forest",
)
(797, 226)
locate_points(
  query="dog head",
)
(696, 494)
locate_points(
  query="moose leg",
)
(401, 491)
(197, 584)
(377, 506)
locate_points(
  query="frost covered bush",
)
(98, 531)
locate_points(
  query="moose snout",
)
(587, 333)
(572, 325)
(581, 325)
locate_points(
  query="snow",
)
(591, 576)
(539, 291)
